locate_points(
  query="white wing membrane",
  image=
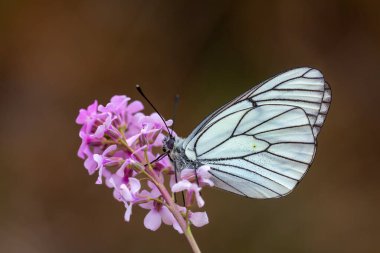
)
(221, 132)
(302, 87)
(263, 118)
(289, 134)
(326, 100)
(261, 144)
(291, 141)
(286, 167)
(287, 115)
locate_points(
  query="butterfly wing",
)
(324, 109)
(303, 87)
(261, 143)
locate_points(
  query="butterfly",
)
(260, 144)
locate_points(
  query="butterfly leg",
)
(196, 178)
(176, 180)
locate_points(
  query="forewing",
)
(259, 153)
(302, 87)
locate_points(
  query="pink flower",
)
(87, 141)
(118, 105)
(198, 219)
(163, 164)
(193, 187)
(103, 160)
(190, 188)
(127, 193)
(150, 125)
(158, 211)
(117, 142)
(154, 192)
(101, 129)
(86, 116)
(91, 165)
(121, 171)
(124, 113)
(203, 176)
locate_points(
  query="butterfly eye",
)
(170, 143)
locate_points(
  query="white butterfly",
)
(260, 144)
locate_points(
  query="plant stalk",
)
(177, 215)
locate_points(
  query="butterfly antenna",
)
(160, 157)
(154, 108)
(176, 101)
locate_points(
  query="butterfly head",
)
(168, 143)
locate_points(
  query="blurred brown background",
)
(58, 56)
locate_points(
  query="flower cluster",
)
(119, 143)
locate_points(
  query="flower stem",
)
(177, 215)
(172, 207)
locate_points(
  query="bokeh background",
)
(58, 56)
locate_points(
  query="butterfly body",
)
(260, 144)
(176, 152)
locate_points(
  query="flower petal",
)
(84, 114)
(128, 212)
(100, 180)
(167, 216)
(207, 182)
(110, 149)
(203, 171)
(187, 174)
(148, 205)
(177, 227)
(126, 193)
(181, 186)
(99, 131)
(134, 185)
(152, 220)
(121, 171)
(199, 219)
(155, 193)
(199, 199)
(131, 140)
(135, 106)
(98, 159)
(93, 107)
(90, 165)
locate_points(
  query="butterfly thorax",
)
(173, 146)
